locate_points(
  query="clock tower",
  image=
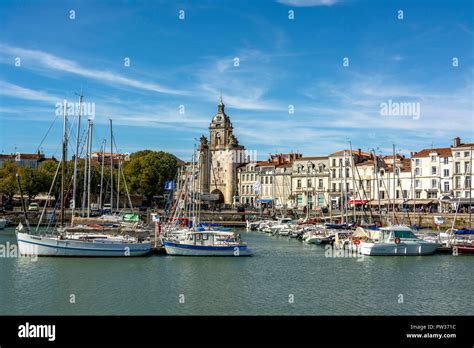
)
(220, 157)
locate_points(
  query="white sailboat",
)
(65, 243)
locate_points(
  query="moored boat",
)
(397, 241)
(207, 243)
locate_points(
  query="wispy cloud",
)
(308, 3)
(15, 91)
(44, 60)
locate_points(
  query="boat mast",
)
(394, 185)
(63, 162)
(118, 182)
(102, 174)
(354, 196)
(84, 188)
(111, 169)
(89, 171)
(376, 169)
(76, 158)
(193, 205)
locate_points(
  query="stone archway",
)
(221, 196)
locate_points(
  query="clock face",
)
(218, 134)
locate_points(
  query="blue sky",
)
(282, 62)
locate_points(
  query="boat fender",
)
(397, 240)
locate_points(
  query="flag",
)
(169, 185)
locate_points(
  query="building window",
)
(397, 194)
(309, 183)
(333, 162)
(417, 183)
(457, 182)
(466, 153)
(417, 162)
(457, 168)
(266, 180)
(446, 173)
(417, 171)
(466, 167)
(433, 183)
(468, 182)
(271, 180)
(418, 194)
(433, 158)
(298, 183)
(333, 187)
(320, 185)
(405, 193)
(457, 154)
(433, 170)
(431, 195)
(446, 186)
(334, 173)
(382, 194)
(446, 160)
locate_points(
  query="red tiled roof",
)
(355, 152)
(24, 156)
(442, 151)
(312, 158)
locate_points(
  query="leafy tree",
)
(147, 171)
(8, 184)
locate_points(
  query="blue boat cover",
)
(464, 231)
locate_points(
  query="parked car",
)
(107, 208)
(8, 206)
(33, 207)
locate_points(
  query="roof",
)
(312, 158)
(441, 151)
(349, 151)
(23, 156)
(464, 145)
(266, 163)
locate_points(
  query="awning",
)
(358, 201)
(264, 200)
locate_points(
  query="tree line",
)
(145, 173)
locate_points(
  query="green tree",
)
(8, 184)
(147, 171)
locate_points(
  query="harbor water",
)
(284, 277)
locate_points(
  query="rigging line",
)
(47, 132)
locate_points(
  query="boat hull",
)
(179, 249)
(3, 223)
(49, 246)
(462, 249)
(401, 249)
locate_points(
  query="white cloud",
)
(44, 60)
(308, 3)
(15, 91)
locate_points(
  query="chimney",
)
(457, 142)
(359, 152)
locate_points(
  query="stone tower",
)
(220, 157)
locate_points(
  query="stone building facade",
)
(219, 158)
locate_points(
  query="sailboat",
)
(64, 243)
(203, 240)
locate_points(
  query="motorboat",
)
(396, 240)
(207, 243)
